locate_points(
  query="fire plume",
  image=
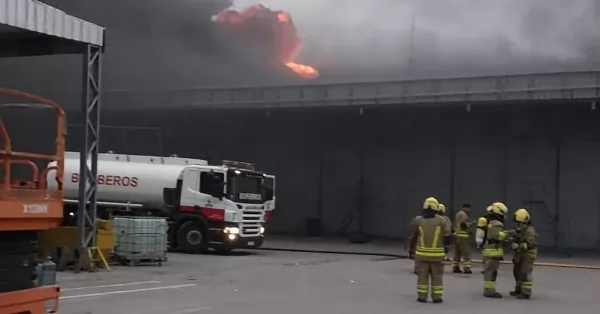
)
(280, 23)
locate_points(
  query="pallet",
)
(140, 259)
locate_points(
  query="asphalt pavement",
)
(269, 282)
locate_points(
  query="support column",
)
(86, 215)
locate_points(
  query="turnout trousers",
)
(483, 260)
(462, 250)
(523, 273)
(430, 275)
(490, 273)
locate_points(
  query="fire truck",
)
(220, 207)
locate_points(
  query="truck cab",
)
(220, 207)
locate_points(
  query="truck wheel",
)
(191, 237)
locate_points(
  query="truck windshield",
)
(245, 187)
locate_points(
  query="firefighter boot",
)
(438, 300)
(422, 300)
(493, 295)
(456, 270)
(516, 292)
(523, 297)
(468, 271)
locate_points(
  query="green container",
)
(144, 236)
(46, 276)
(46, 273)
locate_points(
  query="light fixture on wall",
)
(468, 108)
(593, 105)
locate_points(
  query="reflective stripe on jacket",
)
(462, 217)
(493, 247)
(430, 233)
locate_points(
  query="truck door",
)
(190, 194)
(269, 196)
(202, 193)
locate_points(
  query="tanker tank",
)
(135, 181)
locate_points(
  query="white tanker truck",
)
(219, 207)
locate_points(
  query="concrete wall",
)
(330, 162)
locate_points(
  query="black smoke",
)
(158, 44)
(152, 44)
(395, 39)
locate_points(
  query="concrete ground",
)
(269, 282)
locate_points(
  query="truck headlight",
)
(231, 230)
(262, 230)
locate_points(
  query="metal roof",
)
(34, 16)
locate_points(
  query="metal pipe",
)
(453, 151)
(557, 177)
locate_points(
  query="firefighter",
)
(443, 214)
(430, 232)
(493, 251)
(525, 247)
(462, 248)
(482, 223)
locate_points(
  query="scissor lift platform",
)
(26, 207)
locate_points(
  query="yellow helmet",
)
(431, 203)
(482, 222)
(489, 209)
(499, 209)
(522, 216)
(442, 208)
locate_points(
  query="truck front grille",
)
(251, 222)
(250, 230)
(252, 215)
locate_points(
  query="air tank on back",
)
(126, 179)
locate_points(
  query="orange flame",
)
(289, 44)
(303, 70)
(283, 18)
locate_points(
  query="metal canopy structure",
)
(32, 28)
(490, 89)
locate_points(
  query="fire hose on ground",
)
(402, 256)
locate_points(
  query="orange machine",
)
(26, 207)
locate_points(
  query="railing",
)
(35, 188)
(526, 87)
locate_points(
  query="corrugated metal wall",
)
(330, 162)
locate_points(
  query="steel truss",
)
(88, 168)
